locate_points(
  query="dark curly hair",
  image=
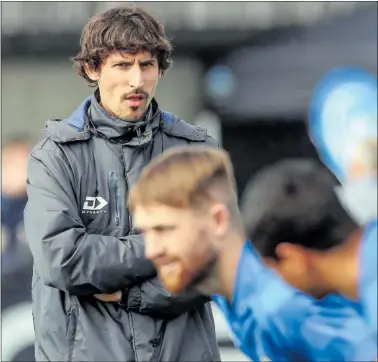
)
(128, 29)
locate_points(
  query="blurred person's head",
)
(364, 160)
(294, 219)
(15, 153)
(185, 204)
(343, 127)
(124, 51)
(358, 193)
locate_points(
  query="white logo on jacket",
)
(94, 205)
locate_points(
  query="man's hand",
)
(115, 297)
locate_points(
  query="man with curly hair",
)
(95, 295)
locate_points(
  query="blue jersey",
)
(368, 275)
(273, 321)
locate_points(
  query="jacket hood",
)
(72, 128)
(110, 127)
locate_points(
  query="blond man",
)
(186, 206)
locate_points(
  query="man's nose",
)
(136, 77)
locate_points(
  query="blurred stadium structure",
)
(245, 70)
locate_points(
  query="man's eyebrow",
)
(152, 60)
(126, 61)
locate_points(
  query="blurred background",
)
(244, 70)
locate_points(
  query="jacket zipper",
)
(71, 332)
(128, 189)
(129, 314)
(114, 186)
(138, 132)
(132, 335)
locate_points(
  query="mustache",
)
(164, 260)
(137, 91)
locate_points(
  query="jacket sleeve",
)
(152, 299)
(65, 256)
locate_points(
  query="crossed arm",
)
(66, 256)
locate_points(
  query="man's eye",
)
(147, 65)
(161, 229)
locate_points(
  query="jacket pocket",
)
(73, 317)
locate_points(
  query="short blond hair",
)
(185, 177)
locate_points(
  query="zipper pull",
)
(138, 132)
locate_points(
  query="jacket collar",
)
(79, 127)
(107, 126)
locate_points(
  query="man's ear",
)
(92, 73)
(292, 258)
(270, 262)
(221, 219)
(288, 251)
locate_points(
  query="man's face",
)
(127, 83)
(363, 161)
(179, 242)
(295, 266)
